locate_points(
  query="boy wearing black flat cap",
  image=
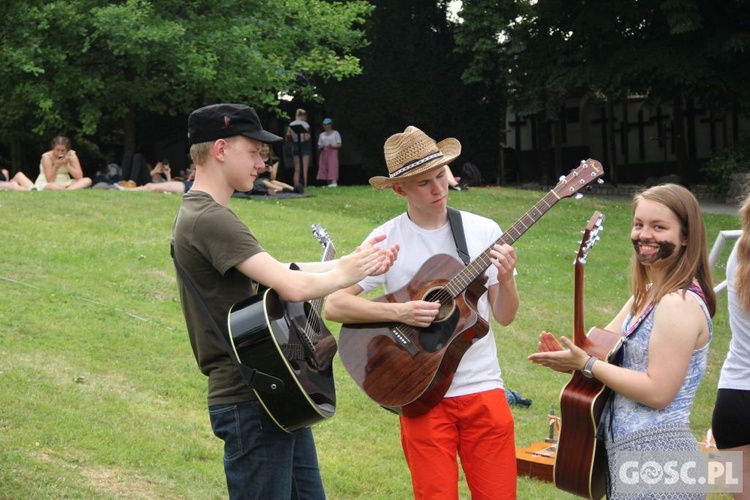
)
(225, 263)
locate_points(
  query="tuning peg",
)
(578, 196)
(600, 181)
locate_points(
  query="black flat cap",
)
(219, 121)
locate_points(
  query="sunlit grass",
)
(99, 391)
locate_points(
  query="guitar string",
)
(313, 320)
(461, 281)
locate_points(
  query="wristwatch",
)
(586, 370)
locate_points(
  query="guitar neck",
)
(475, 268)
(579, 334)
(329, 252)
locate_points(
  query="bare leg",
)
(452, 182)
(82, 183)
(278, 185)
(296, 169)
(305, 165)
(176, 187)
(22, 181)
(13, 184)
(271, 187)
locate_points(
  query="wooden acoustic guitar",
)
(581, 461)
(289, 341)
(407, 369)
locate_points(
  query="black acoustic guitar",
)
(407, 369)
(581, 460)
(289, 341)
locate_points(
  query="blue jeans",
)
(261, 461)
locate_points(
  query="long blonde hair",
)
(742, 273)
(692, 261)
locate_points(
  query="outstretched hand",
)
(548, 343)
(389, 255)
(563, 356)
(366, 260)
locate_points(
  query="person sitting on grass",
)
(266, 182)
(18, 182)
(60, 168)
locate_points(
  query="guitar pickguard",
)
(435, 336)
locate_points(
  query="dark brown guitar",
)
(581, 461)
(289, 341)
(408, 369)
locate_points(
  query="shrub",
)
(732, 160)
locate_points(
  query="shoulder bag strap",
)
(256, 379)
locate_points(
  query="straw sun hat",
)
(412, 153)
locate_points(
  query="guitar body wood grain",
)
(413, 382)
(581, 460)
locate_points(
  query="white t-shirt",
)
(736, 368)
(479, 369)
(331, 139)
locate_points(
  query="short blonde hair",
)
(300, 112)
(200, 152)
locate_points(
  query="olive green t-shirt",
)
(209, 240)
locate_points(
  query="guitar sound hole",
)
(447, 304)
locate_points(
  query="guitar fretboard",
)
(466, 276)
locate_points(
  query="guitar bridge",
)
(405, 341)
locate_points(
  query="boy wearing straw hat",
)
(473, 420)
(224, 262)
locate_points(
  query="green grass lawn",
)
(100, 396)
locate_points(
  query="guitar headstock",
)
(590, 236)
(322, 235)
(586, 173)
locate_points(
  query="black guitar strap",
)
(256, 379)
(457, 228)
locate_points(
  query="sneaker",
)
(127, 184)
(455, 188)
(333, 185)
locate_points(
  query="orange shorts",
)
(478, 428)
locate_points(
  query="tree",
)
(93, 68)
(674, 51)
(484, 38)
(411, 75)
